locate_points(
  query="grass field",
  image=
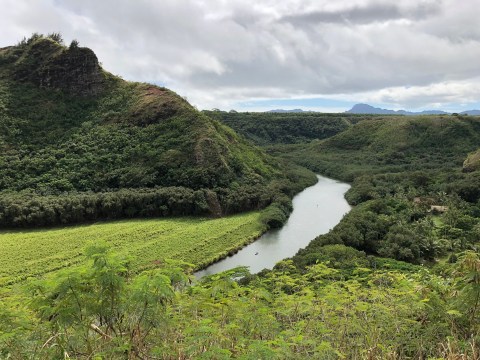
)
(199, 241)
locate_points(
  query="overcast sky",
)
(262, 54)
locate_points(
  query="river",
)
(316, 210)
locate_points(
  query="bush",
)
(275, 215)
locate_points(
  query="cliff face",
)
(75, 71)
(47, 64)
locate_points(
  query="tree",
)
(73, 44)
(55, 36)
(468, 296)
(100, 307)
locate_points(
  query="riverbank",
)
(316, 210)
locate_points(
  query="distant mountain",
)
(424, 112)
(285, 111)
(470, 112)
(368, 109)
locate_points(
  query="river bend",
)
(316, 210)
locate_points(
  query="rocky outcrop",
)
(74, 70)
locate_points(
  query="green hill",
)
(271, 128)
(395, 144)
(415, 200)
(77, 144)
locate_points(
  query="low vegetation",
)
(346, 306)
(199, 241)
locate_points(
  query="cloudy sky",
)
(262, 54)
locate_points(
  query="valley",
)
(113, 193)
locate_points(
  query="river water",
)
(316, 210)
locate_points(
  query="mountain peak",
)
(368, 109)
(49, 64)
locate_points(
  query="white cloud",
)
(408, 53)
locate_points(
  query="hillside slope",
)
(272, 128)
(70, 129)
(395, 144)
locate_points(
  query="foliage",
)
(56, 37)
(433, 145)
(324, 312)
(74, 44)
(269, 128)
(472, 162)
(100, 308)
(32, 210)
(399, 168)
(277, 213)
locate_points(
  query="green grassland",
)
(199, 241)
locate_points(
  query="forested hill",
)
(415, 181)
(399, 144)
(286, 128)
(77, 143)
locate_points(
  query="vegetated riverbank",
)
(402, 171)
(197, 240)
(316, 210)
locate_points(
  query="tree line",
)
(28, 209)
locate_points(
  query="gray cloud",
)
(220, 52)
(368, 13)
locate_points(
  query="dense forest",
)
(285, 128)
(79, 144)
